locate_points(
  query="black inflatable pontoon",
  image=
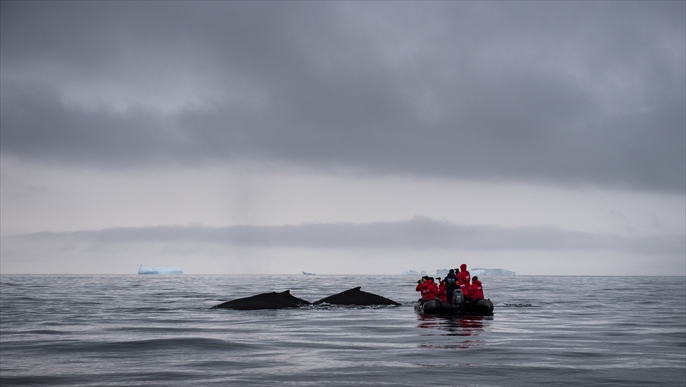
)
(480, 307)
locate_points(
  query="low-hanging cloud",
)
(420, 233)
(572, 93)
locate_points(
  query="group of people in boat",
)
(456, 279)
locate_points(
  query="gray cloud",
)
(575, 93)
(420, 233)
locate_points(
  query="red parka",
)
(428, 290)
(475, 290)
(466, 289)
(442, 295)
(463, 276)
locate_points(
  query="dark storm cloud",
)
(573, 92)
(419, 233)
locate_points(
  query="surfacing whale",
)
(270, 300)
(283, 300)
(355, 296)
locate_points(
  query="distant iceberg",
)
(480, 271)
(309, 273)
(159, 270)
(414, 272)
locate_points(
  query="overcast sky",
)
(343, 137)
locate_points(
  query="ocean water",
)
(135, 330)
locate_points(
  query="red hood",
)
(463, 267)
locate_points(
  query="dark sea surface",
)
(136, 330)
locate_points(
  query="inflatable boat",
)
(480, 307)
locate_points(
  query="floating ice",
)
(480, 271)
(414, 272)
(159, 270)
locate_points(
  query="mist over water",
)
(159, 330)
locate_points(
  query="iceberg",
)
(481, 271)
(413, 272)
(159, 270)
(478, 271)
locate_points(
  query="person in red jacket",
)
(420, 285)
(476, 291)
(463, 277)
(428, 289)
(441, 292)
(466, 291)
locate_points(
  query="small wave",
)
(334, 306)
(44, 332)
(515, 305)
(141, 346)
(162, 344)
(35, 380)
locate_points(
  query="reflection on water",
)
(465, 327)
(456, 326)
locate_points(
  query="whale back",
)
(270, 300)
(355, 296)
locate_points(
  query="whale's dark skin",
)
(284, 300)
(355, 296)
(289, 297)
(270, 300)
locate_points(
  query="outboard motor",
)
(458, 297)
